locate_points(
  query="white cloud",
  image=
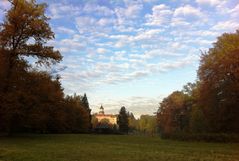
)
(119, 56)
(60, 10)
(85, 21)
(149, 1)
(125, 14)
(68, 45)
(187, 10)
(97, 9)
(153, 54)
(226, 26)
(191, 36)
(101, 50)
(179, 22)
(147, 34)
(235, 11)
(65, 30)
(209, 2)
(160, 15)
(86, 24)
(4, 5)
(93, 26)
(119, 46)
(138, 105)
(116, 78)
(166, 66)
(141, 36)
(106, 21)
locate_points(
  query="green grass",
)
(74, 147)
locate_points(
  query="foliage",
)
(123, 121)
(32, 100)
(147, 124)
(78, 114)
(211, 105)
(219, 84)
(197, 120)
(133, 123)
(94, 122)
(85, 103)
(173, 113)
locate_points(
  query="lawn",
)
(79, 147)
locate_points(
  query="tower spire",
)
(101, 110)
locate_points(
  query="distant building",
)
(110, 118)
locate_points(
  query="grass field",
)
(73, 147)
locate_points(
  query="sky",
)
(133, 53)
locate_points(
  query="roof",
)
(106, 115)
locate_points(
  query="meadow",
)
(84, 147)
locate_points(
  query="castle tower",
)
(101, 110)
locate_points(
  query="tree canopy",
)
(32, 100)
(212, 103)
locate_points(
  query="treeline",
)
(32, 100)
(146, 124)
(127, 124)
(211, 104)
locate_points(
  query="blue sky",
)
(133, 53)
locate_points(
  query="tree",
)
(123, 121)
(94, 122)
(197, 120)
(147, 124)
(219, 84)
(24, 33)
(133, 123)
(87, 108)
(78, 115)
(173, 113)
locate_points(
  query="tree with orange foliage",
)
(172, 114)
(219, 84)
(24, 33)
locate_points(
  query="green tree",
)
(94, 121)
(133, 123)
(123, 121)
(148, 124)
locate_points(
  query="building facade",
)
(110, 118)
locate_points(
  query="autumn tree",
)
(172, 115)
(123, 121)
(25, 32)
(219, 84)
(33, 100)
(78, 115)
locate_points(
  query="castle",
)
(112, 119)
